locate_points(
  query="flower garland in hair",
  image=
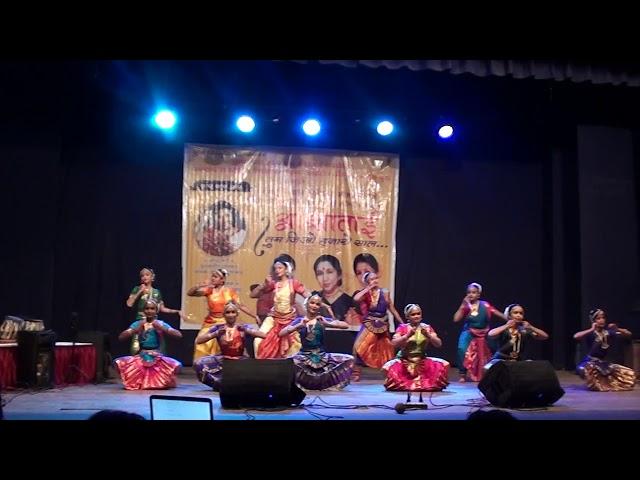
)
(410, 307)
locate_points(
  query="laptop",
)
(168, 407)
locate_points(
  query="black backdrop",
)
(91, 194)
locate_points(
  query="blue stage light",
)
(245, 124)
(311, 127)
(385, 128)
(445, 131)
(165, 119)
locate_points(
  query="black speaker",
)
(339, 341)
(102, 345)
(35, 360)
(259, 383)
(521, 384)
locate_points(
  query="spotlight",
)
(245, 124)
(311, 127)
(445, 131)
(385, 128)
(164, 119)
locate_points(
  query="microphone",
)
(409, 405)
(402, 407)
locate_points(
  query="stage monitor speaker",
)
(102, 345)
(259, 383)
(521, 384)
(35, 360)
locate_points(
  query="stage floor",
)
(454, 403)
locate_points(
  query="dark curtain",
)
(91, 195)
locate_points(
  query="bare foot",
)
(462, 380)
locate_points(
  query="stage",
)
(78, 402)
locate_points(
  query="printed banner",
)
(324, 210)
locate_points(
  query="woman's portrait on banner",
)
(221, 230)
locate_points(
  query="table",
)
(8, 353)
(74, 364)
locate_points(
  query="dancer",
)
(315, 368)
(150, 368)
(514, 336)
(230, 337)
(600, 374)
(264, 298)
(139, 296)
(284, 289)
(264, 302)
(218, 295)
(473, 351)
(364, 263)
(412, 370)
(372, 345)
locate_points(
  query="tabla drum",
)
(10, 328)
(33, 325)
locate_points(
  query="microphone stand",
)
(409, 405)
(419, 405)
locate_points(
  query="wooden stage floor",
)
(365, 400)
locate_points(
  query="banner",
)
(243, 207)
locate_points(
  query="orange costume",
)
(281, 315)
(216, 300)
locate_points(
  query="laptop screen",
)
(166, 407)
